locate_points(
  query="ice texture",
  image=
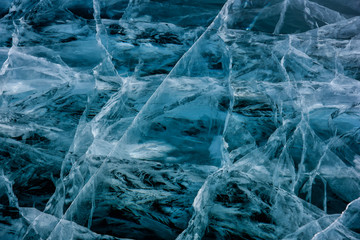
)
(202, 119)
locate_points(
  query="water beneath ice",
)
(202, 119)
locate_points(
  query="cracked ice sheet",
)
(156, 104)
(80, 85)
(280, 140)
(280, 148)
(103, 75)
(177, 163)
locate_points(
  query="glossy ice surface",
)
(177, 119)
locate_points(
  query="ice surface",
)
(203, 119)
